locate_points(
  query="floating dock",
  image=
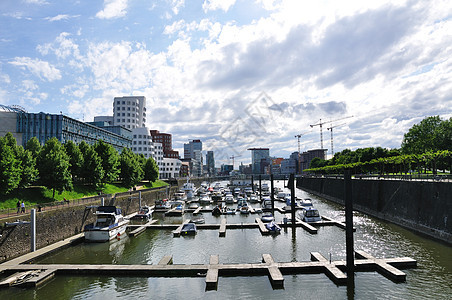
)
(214, 269)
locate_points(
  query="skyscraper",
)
(129, 111)
(257, 155)
(210, 163)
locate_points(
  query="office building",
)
(129, 111)
(166, 140)
(210, 160)
(257, 154)
(43, 126)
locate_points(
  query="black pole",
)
(272, 195)
(252, 183)
(349, 225)
(260, 188)
(291, 184)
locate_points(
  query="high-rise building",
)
(257, 154)
(191, 147)
(210, 163)
(129, 111)
(306, 157)
(166, 140)
(142, 144)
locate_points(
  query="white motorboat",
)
(229, 199)
(162, 204)
(180, 196)
(305, 202)
(309, 215)
(143, 214)
(266, 203)
(189, 189)
(267, 218)
(205, 199)
(110, 223)
(253, 198)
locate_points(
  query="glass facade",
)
(45, 126)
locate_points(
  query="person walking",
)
(22, 205)
(18, 206)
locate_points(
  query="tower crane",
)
(298, 136)
(321, 124)
(233, 157)
(331, 129)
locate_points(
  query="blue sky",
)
(235, 73)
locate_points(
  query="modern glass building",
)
(45, 126)
(257, 155)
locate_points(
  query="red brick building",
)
(166, 140)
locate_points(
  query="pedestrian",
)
(18, 206)
(22, 205)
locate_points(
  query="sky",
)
(236, 74)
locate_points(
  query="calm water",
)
(432, 279)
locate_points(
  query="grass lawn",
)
(40, 195)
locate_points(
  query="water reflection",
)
(430, 280)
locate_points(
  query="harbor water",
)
(431, 279)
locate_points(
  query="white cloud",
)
(176, 5)
(37, 67)
(113, 9)
(224, 5)
(60, 17)
(38, 2)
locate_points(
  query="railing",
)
(416, 176)
(12, 212)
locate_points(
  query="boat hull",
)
(105, 234)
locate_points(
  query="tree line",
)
(427, 145)
(58, 166)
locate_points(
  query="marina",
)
(230, 257)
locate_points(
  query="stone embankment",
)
(53, 225)
(424, 207)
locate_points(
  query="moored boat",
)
(309, 215)
(273, 227)
(110, 223)
(268, 217)
(143, 214)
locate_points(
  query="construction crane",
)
(321, 124)
(331, 129)
(298, 136)
(233, 157)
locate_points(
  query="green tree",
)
(92, 171)
(10, 167)
(33, 146)
(109, 160)
(29, 172)
(317, 162)
(53, 165)
(75, 159)
(423, 137)
(131, 172)
(151, 170)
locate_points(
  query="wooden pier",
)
(222, 231)
(213, 270)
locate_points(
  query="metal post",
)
(252, 183)
(260, 187)
(139, 195)
(33, 229)
(102, 201)
(272, 194)
(291, 184)
(349, 225)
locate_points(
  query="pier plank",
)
(276, 277)
(197, 210)
(40, 278)
(382, 266)
(222, 231)
(262, 227)
(176, 233)
(212, 273)
(166, 260)
(330, 269)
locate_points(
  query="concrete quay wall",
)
(424, 207)
(53, 225)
